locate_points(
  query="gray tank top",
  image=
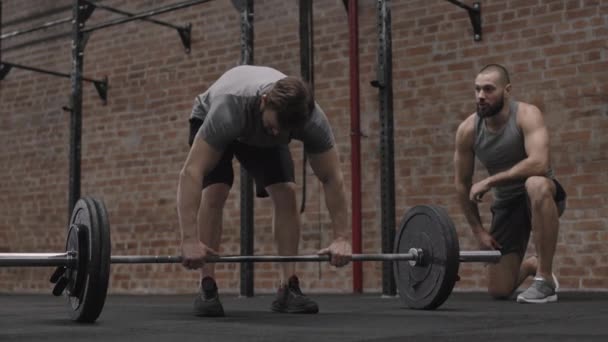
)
(499, 151)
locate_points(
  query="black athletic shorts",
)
(267, 165)
(512, 221)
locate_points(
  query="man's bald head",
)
(503, 74)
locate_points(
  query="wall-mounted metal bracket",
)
(100, 85)
(87, 10)
(102, 88)
(376, 84)
(185, 33)
(474, 16)
(345, 2)
(4, 70)
(239, 5)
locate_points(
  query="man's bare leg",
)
(545, 223)
(286, 224)
(210, 215)
(504, 276)
(528, 269)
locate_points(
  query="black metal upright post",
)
(79, 18)
(247, 227)
(387, 162)
(307, 68)
(306, 42)
(0, 33)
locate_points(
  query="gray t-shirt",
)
(230, 110)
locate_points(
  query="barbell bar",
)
(426, 259)
(68, 259)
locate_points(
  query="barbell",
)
(426, 259)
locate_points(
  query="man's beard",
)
(490, 111)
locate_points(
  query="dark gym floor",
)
(463, 317)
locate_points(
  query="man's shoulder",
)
(528, 113)
(467, 126)
(525, 107)
(466, 132)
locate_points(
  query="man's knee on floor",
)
(500, 292)
(501, 287)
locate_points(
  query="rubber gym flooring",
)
(369, 317)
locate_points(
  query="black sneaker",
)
(290, 299)
(207, 303)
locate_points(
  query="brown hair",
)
(292, 99)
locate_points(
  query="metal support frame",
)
(306, 69)
(245, 8)
(1, 77)
(143, 15)
(474, 15)
(80, 13)
(100, 85)
(184, 32)
(46, 25)
(387, 162)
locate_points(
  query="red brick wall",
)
(134, 147)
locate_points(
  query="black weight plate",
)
(86, 304)
(77, 242)
(106, 242)
(429, 284)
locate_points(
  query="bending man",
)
(252, 113)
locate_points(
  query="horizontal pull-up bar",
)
(183, 31)
(100, 85)
(143, 15)
(129, 14)
(41, 27)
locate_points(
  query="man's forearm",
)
(335, 199)
(522, 170)
(188, 202)
(469, 208)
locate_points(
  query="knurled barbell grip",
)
(143, 259)
(465, 256)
